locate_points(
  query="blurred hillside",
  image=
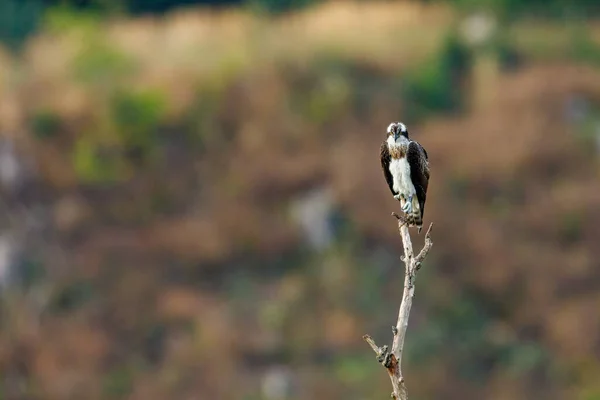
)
(193, 206)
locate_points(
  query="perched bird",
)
(406, 170)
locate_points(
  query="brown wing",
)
(385, 166)
(419, 171)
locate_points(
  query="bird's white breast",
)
(400, 170)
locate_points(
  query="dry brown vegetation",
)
(173, 265)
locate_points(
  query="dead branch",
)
(392, 360)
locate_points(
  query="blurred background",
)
(193, 207)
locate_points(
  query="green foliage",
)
(327, 100)
(591, 395)
(510, 9)
(429, 90)
(45, 124)
(124, 138)
(18, 19)
(272, 316)
(158, 6)
(137, 116)
(200, 124)
(323, 93)
(586, 127)
(66, 19)
(522, 357)
(133, 7)
(279, 6)
(463, 331)
(502, 47)
(100, 63)
(30, 272)
(119, 381)
(435, 85)
(354, 369)
(583, 48)
(72, 296)
(571, 225)
(137, 112)
(97, 162)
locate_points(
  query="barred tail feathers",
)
(414, 218)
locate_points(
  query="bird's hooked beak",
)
(396, 135)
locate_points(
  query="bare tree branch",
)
(392, 360)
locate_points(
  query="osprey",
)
(406, 170)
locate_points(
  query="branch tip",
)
(371, 343)
(428, 233)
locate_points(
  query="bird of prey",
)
(406, 170)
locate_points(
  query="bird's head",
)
(397, 132)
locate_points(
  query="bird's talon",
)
(408, 208)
